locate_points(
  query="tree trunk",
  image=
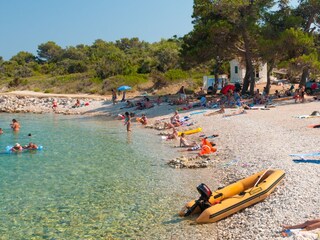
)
(249, 64)
(246, 82)
(304, 76)
(269, 71)
(252, 78)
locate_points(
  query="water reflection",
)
(129, 138)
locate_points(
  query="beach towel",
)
(299, 234)
(194, 113)
(306, 161)
(314, 114)
(230, 163)
(303, 155)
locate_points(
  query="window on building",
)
(236, 69)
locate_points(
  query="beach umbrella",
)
(225, 89)
(124, 88)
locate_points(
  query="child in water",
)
(127, 121)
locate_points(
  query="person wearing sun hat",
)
(16, 148)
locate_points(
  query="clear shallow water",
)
(91, 181)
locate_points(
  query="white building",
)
(238, 71)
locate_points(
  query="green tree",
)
(300, 51)
(271, 49)
(309, 11)
(166, 55)
(49, 51)
(211, 39)
(241, 19)
(23, 58)
(136, 53)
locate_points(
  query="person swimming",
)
(17, 148)
(30, 146)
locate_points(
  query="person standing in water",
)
(127, 121)
(15, 125)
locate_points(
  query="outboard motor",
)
(203, 201)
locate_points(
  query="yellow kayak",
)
(190, 131)
(214, 206)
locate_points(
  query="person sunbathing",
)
(308, 225)
(221, 110)
(184, 142)
(129, 104)
(199, 146)
(143, 119)
(173, 135)
(148, 103)
(240, 111)
(175, 120)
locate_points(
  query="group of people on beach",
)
(77, 104)
(204, 146)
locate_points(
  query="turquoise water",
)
(93, 180)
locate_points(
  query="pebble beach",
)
(247, 143)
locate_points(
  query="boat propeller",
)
(203, 201)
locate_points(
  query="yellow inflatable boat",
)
(190, 131)
(214, 206)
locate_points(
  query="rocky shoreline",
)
(40, 105)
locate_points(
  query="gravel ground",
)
(258, 140)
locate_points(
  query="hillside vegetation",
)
(273, 32)
(98, 68)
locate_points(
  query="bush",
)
(48, 91)
(14, 83)
(176, 74)
(130, 80)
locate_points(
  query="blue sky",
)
(25, 24)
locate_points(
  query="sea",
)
(91, 180)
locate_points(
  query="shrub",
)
(176, 74)
(48, 91)
(14, 83)
(130, 80)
